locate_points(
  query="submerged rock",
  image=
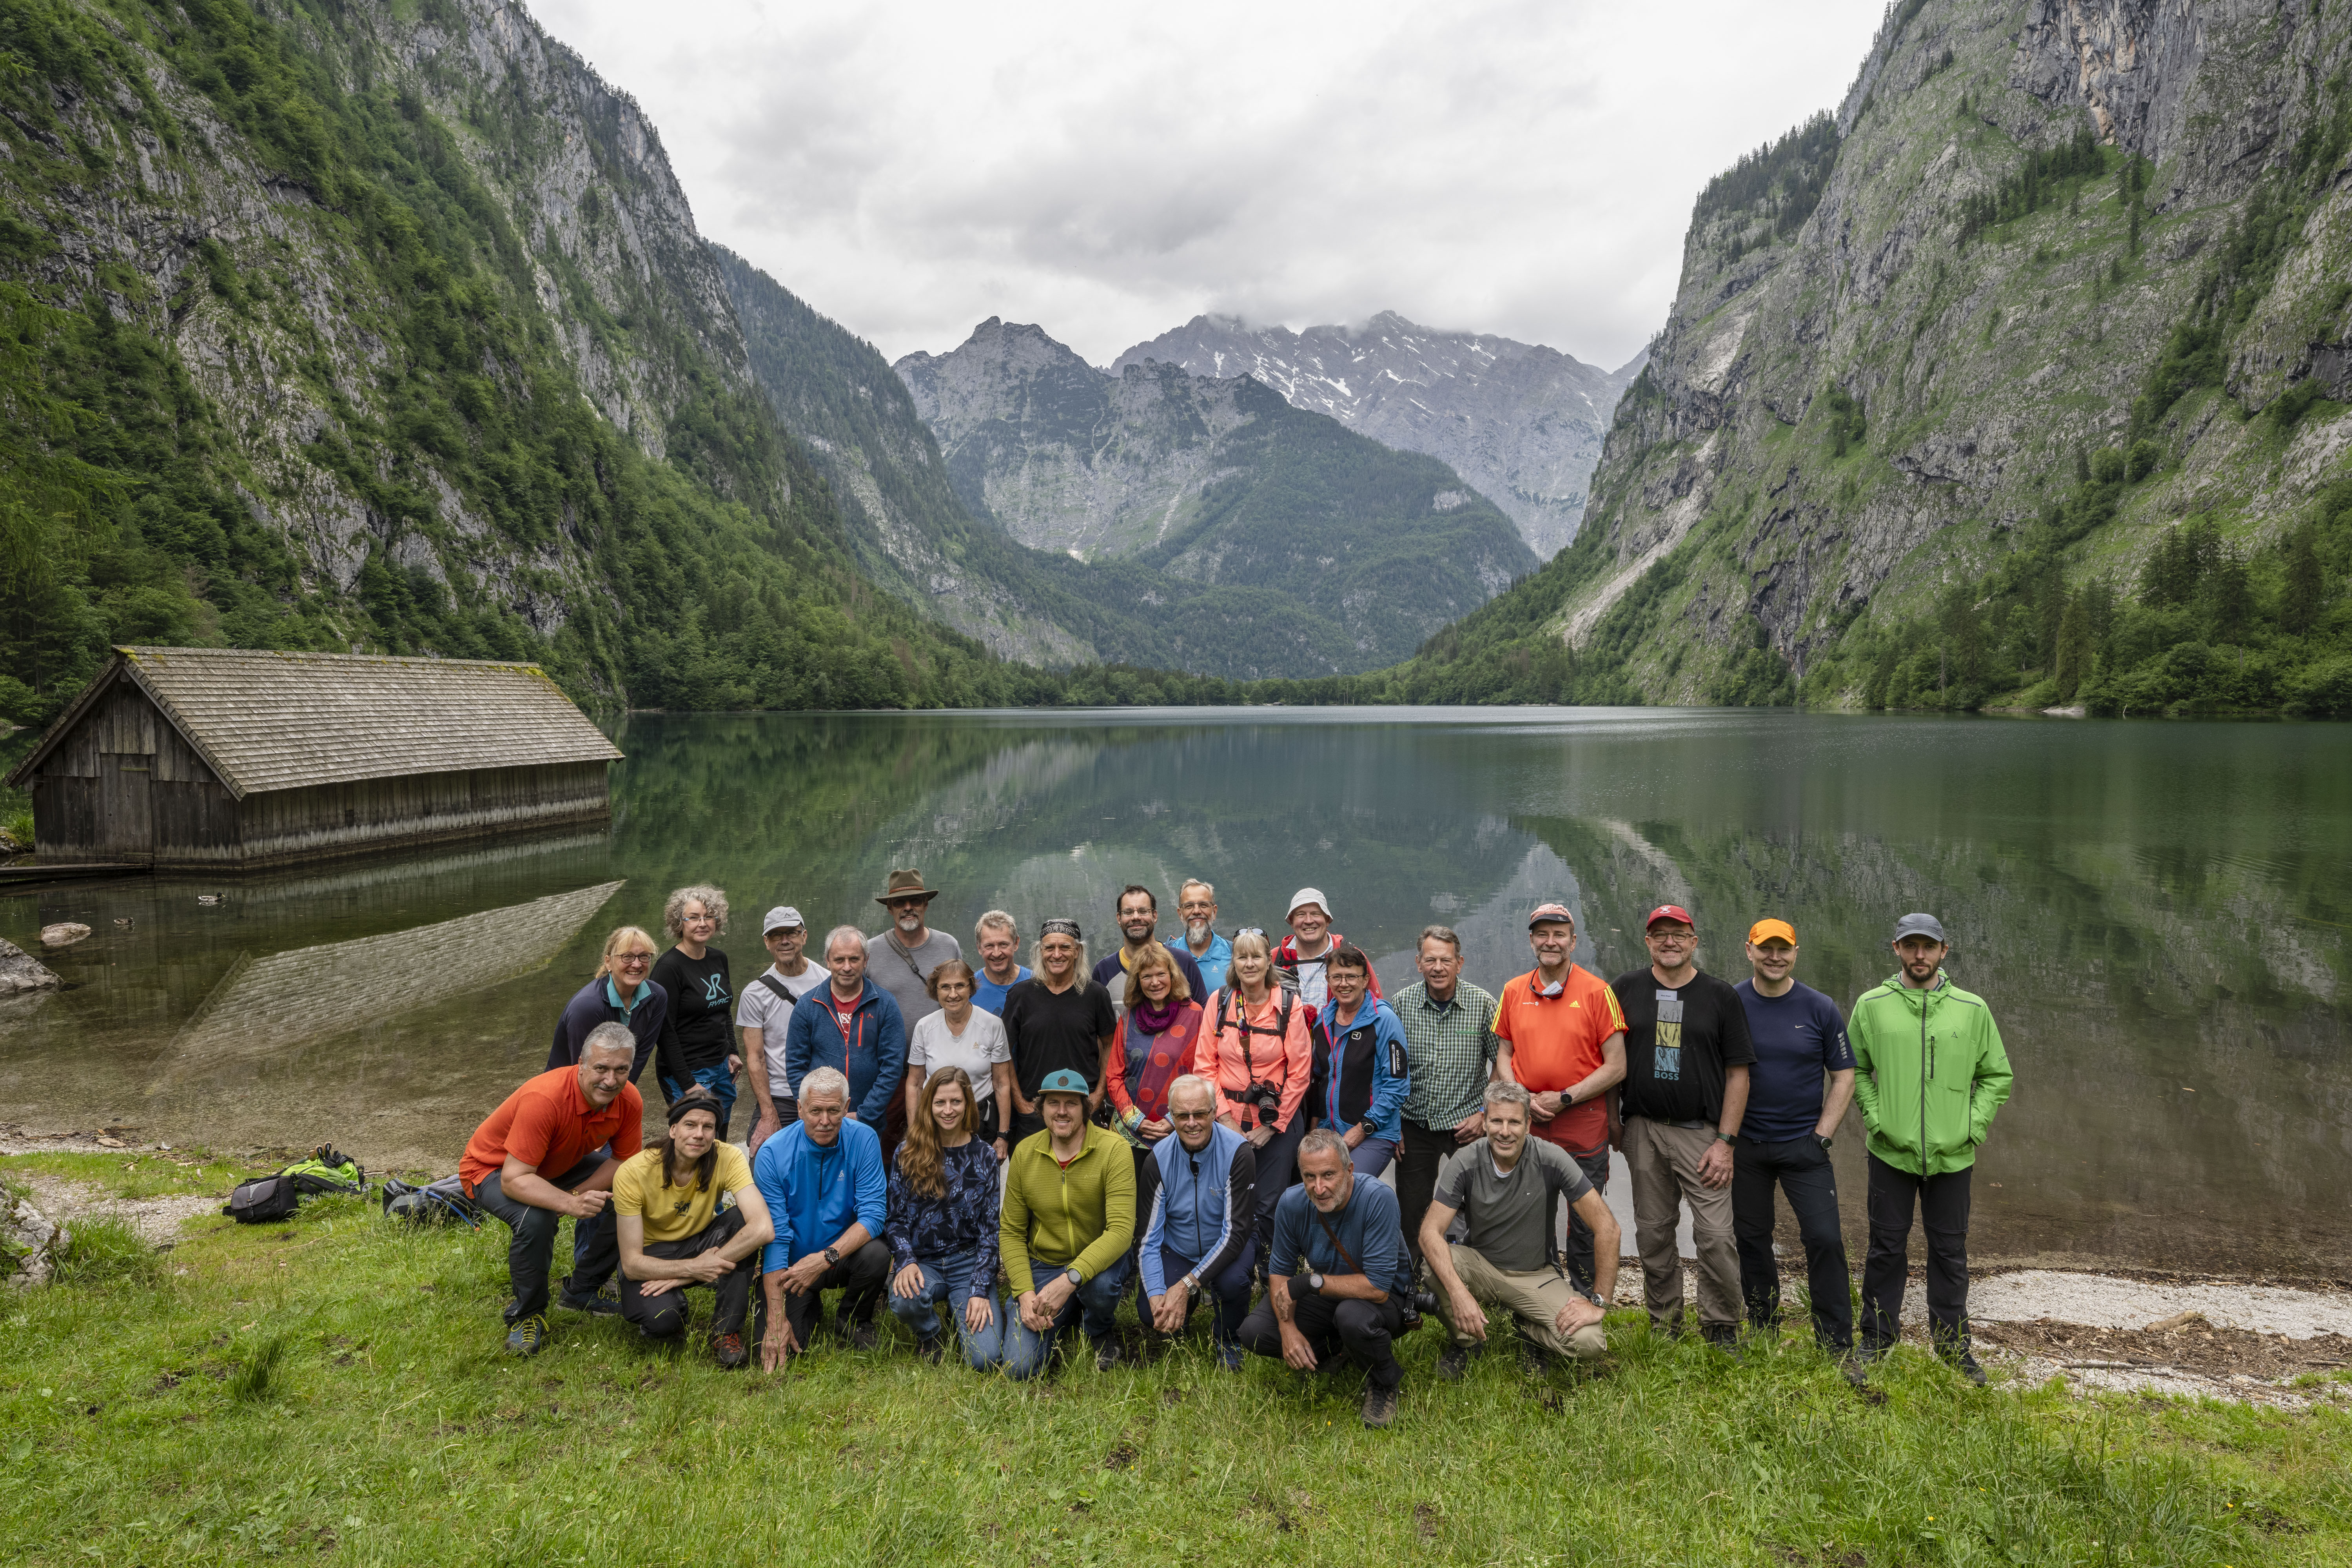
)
(20, 970)
(65, 933)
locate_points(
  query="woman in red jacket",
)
(1257, 1047)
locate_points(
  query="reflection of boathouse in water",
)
(221, 758)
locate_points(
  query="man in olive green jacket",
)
(1932, 1074)
(1064, 1229)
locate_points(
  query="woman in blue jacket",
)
(1362, 1079)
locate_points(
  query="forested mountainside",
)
(1521, 422)
(384, 324)
(1213, 489)
(2021, 380)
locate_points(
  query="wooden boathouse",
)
(223, 757)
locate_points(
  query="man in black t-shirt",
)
(1687, 1056)
(1056, 1019)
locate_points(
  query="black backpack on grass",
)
(267, 1199)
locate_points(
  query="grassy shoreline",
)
(333, 1387)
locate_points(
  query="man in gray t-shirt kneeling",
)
(1501, 1185)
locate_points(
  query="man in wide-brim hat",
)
(900, 959)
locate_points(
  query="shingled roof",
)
(267, 720)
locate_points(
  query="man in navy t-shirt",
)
(1800, 1040)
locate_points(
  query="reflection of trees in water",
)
(2122, 980)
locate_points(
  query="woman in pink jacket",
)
(1258, 1047)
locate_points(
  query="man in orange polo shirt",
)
(1562, 1038)
(551, 1150)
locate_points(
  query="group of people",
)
(997, 1153)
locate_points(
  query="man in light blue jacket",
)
(1363, 1078)
(1201, 1199)
(829, 1199)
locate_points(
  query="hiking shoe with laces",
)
(1379, 1407)
(1966, 1365)
(1453, 1362)
(729, 1351)
(932, 1348)
(1108, 1354)
(603, 1304)
(861, 1336)
(1233, 1358)
(528, 1336)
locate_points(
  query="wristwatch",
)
(1074, 1277)
(1726, 1137)
(1370, 1130)
(1821, 1139)
(1315, 1283)
(832, 1255)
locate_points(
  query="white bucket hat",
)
(1310, 896)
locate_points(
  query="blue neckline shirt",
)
(1799, 1036)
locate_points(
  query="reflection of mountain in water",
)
(291, 999)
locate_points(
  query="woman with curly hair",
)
(696, 1042)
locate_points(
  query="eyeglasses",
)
(1190, 1116)
(632, 957)
(908, 904)
(1673, 938)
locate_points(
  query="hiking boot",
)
(1966, 1365)
(1533, 1360)
(1454, 1362)
(1379, 1407)
(528, 1336)
(1720, 1336)
(1233, 1358)
(1107, 1354)
(860, 1335)
(729, 1349)
(932, 1348)
(603, 1304)
(1854, 1367)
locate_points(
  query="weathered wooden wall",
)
(418, 808)
(124, 786)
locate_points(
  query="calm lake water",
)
(2157, 914)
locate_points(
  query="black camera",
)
(1413, 1304)
(1265, 1099)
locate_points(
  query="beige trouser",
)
(1663, 1163)
(1533, 1296)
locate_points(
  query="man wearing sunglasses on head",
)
(1199, 1197)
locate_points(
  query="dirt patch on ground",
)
(69, 1204)
(2202, 1349)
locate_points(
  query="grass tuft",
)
(105, 1252)
(257, 1380)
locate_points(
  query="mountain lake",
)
(2156, 912)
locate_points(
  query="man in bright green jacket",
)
(1932, 1074)
(1064, 1229)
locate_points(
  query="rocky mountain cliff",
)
(1522, 423)
(385, 325)
(1214, 483)
(2019, 379)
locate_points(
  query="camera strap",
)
(1336, 1244)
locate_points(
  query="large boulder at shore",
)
(30, 1245)
(19, 970)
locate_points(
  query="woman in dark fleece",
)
(943, 1226)
(698, 1036)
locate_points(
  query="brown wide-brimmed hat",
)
(906, 884)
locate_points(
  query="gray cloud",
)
(1513, 166)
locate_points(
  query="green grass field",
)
(334, 1388)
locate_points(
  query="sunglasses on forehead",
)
(1061, 928)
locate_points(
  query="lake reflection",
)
(2156, 914)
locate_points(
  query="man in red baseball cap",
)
(1687, 1056)
(1560, 1035)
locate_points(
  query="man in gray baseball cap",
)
(1931, 1074)
(764, 1009)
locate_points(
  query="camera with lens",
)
(1413, 1304)
(1265, 1099)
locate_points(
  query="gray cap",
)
(1928, 926)
(784, 917)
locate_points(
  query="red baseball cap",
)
(1670, 912)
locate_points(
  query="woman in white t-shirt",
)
(960, 1034)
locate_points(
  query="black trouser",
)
(1364, 1331)
(1579, 1234)
(1943, 1209)
(1802, 1168)
(663, 1317)
(531, 1240)
(1278, 1163)
(1419, 1154)
(859, 1277)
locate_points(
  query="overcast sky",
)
(1108, 172)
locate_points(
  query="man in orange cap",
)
(1687, 1056)
(1800, 1045)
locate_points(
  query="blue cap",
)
(1062, 1080)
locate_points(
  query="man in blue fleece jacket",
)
(827, 1195)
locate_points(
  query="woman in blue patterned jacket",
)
(943, 1226)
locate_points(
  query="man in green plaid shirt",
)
(1449, 1041)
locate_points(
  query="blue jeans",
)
(1026, 1350)
(718, 1080)
(953, 1278)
